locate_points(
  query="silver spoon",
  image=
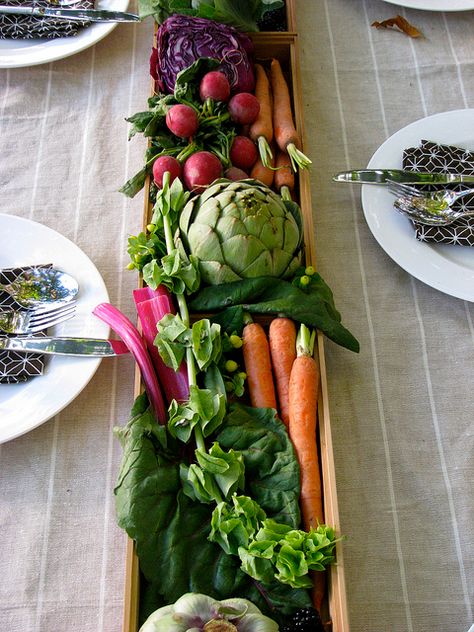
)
(39, 286)
(434, 209)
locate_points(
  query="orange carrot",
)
(282, 339)
(263, 173)
(284, 177)
(284, 129)
(261, 130)
(303, 401)
(258, 366)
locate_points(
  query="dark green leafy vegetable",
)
(171, 531)
(242, 14)
(313, 306)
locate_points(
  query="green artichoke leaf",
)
(295, 210)
(313, 307)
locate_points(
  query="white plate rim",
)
(25, 53)
(439, 5)
(433, 264)
(77, 372)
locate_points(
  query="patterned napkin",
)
(434, 158)
(31, 27)
(16, 367)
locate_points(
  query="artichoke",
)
(240, 230)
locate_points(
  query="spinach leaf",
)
(272, 473)
(171, 530)
(266, 295)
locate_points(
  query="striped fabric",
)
(402, 410)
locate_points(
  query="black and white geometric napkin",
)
(16, 367)
(435, 158)
(31, 27)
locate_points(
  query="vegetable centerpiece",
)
(219, 483)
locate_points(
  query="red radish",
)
(200, 169)
(163, 164)
(182, 120)
(243, 152)
(214, 85)
(244, 108)
(235, 174)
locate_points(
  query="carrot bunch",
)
(283, 374)
(275, 122)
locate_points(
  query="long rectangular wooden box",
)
(283, 46)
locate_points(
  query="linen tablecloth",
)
(401, 411)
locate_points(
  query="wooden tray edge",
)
(337, 591)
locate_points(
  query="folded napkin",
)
(435, 158)
(16, 367)
(31, 27)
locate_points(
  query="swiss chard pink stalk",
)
(174, 383)
(144, 293)
(127, 331)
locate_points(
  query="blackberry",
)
(274, 20)
(304, 620)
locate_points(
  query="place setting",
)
(430, 236)
(48, 290)
(38, 32)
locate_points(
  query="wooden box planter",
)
(283, 46)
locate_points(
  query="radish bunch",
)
(197, 165)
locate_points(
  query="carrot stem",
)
(297, 157)
(265, 151)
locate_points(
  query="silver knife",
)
(87, 15)
(90, 347)
(380, 176)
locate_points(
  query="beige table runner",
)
(402, 410)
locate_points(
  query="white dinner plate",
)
(27, 405)
(448, 268)
(435, 5)
(18, 53)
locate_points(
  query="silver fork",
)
(433, 208)
(30, 322)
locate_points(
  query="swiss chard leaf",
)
(272, 475)
(267, 295)
(171, 531)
